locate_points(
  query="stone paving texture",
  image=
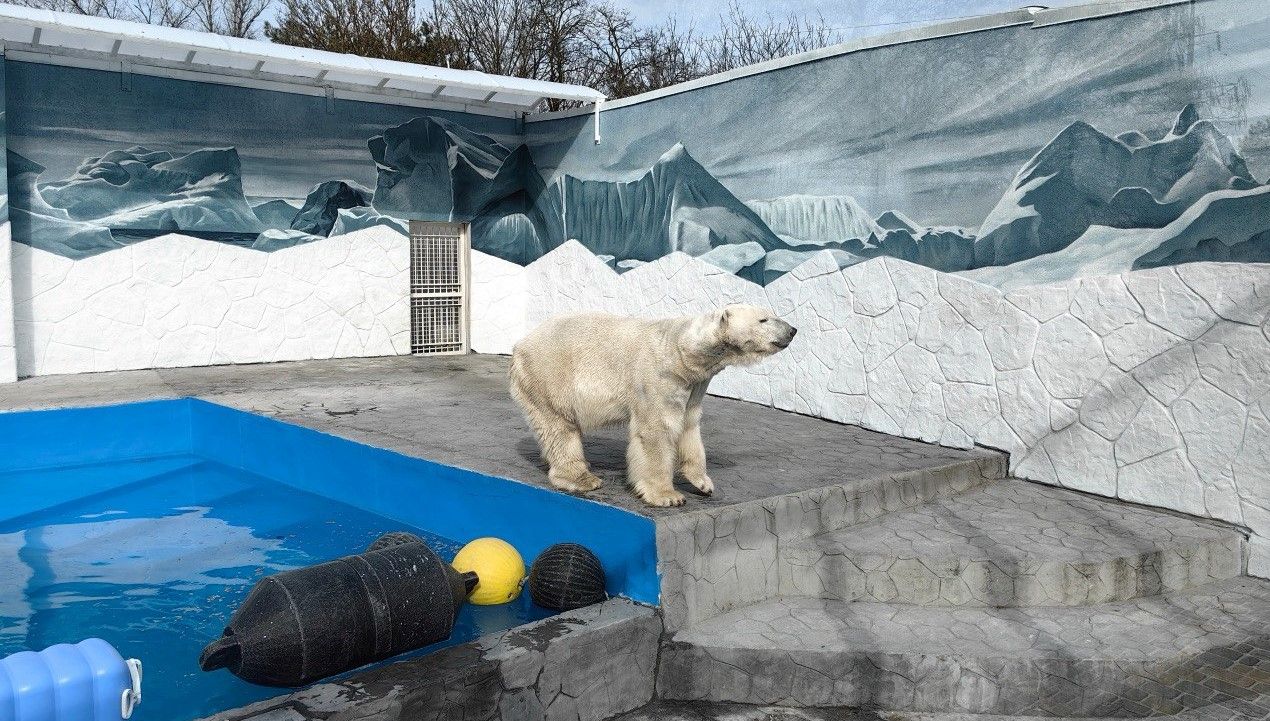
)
(1145, 657)
(456, 410)
(593, 663)
(1012, 544)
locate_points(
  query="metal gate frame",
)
(439, 298)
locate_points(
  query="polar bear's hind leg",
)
(560, 441)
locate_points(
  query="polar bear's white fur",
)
(576, 373)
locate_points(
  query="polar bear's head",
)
(751, 333)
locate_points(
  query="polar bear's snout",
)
(785, 335)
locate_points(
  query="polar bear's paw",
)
(702, 483)
(663, 498)
(577, 484)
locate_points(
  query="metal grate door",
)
(438, 288)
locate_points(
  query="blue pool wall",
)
(446, 500)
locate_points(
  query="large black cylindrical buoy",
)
(300, 626)
(566, 576)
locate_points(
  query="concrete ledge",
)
(585, 665)
(1147, 657)
(715, 560)
(1013, 544)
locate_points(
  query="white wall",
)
(8, 357)
(1150, 386)
(497, 302)
(180, 301)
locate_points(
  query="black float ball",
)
(566, 576)
(393, 538)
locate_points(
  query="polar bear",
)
(577, 373)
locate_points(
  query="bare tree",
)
(496, 36)
(589, 42)
(744, 40)
(237, 18)
(390, 29)
(172, 13)
(561, 36)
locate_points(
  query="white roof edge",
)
(318, 59)
(980, 23)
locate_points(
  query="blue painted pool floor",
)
(158, 556)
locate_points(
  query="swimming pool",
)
(146, 524)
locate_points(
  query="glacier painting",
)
(1036, 154)
(93, 166)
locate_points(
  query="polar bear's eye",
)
(763, 321)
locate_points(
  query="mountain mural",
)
(440, 165)
(1085, 202)
(1084, 178)
(132, 194)
(815, 220)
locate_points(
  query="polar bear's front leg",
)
(651, 454)
(692, 452)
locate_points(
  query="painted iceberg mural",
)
(1086, 202)
(1005, 170)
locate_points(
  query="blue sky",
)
(852, 17)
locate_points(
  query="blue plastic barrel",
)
(87, 681)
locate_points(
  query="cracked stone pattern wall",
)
(1151, 386)
(8, 355)
(180, 301)
(585, 665)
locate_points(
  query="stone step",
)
(714, 559)
(1012, 543)
(705, 711)
(1150, 656)
(1256, 710)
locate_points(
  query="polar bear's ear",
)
(725, 315)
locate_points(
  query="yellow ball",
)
(499, 570)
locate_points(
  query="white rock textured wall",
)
(1151, 386)
(8, 354)
(497, 304)
(180, 301)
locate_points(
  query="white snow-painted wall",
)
(1150, 386)
(181, 301)
(8, 355)
(496, 298)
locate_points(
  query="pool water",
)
(160, 553)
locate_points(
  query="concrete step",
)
(716, 558)
(705, 711)
(1241, 711)
(1012, 543)
(1150, 656)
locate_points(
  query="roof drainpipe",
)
(598, 104)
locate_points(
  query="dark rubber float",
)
(300, 626)
(567, 576)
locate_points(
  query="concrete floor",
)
(456, 410)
